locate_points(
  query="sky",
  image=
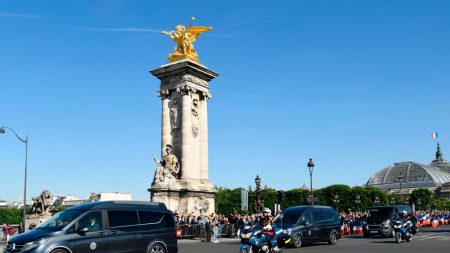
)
(354, 85)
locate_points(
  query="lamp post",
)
(358, 201)
(311, 168)
(419, 201)
(336, 201)
(25, 141)
(376, 200)
(400, 179)
(258, 204)
(392, 200)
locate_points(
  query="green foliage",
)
(227, 199)
(10, 215)
(424, 195)
(294, 197)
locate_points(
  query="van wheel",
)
(58, 251)
(157, 248)
(297, 241)
(332, 238)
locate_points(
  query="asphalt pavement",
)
(434, 240)
(427, 240)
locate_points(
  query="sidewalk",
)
(2, 245)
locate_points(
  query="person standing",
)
(21, 228)
(9, 232)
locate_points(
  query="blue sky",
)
(355, 85)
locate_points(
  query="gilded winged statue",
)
(184, 39)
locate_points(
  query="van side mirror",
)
(304, 222)
(82, 230)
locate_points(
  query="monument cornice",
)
(182, 68)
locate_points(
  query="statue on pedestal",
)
(167, 167)
(184, 39)
(42, 203)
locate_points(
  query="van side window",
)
(307, 217)
(93, 221)
(152, 220)
(329, 215)
(123, 220)
(318, 216)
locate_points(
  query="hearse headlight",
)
(35, 244)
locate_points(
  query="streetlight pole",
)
(336, 201)
(400, 179)
(25, 141)
(258, 202)
(311, 168)
(358, 201)
(376, 200)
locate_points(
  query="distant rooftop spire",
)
(439, 155)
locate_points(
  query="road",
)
(435, 240)
(427, 240)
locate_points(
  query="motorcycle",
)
(256, 241)
(402, 230)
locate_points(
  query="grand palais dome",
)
(412, 175)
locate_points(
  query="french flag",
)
(434, 135)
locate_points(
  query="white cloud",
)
(17, 15)
(126, 29)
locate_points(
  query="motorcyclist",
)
(267, 226)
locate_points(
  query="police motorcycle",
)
(256, 240)
(402, 229)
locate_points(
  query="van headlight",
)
(287, 231)
(32, 245)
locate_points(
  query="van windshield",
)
(60, 220)
(289, 217)
(380, 213)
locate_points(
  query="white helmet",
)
(404, 212)
(266, 210)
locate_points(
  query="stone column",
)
(187, 172)
(166, 137)
(204, 139)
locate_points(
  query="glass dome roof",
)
(413, 175)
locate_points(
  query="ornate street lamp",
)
(258, 202)
(400, 179)
(311, 168)
(376, 200)
(336, 201)
(25, 141)
(418, 201)
(358, 201)
(392, 200)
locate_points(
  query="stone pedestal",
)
(184, 92)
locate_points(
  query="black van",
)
(309, 224)
(378, 221)
(102, 227)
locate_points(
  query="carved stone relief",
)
(195, 117)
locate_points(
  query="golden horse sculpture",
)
(184, 39)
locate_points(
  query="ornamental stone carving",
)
(195, 118)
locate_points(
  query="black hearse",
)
(102, 227)
(309, 224)
(378, 221)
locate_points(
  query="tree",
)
(226, 200)
(10, 215)
(422, 198)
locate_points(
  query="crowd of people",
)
(352, 219)
(218, 225)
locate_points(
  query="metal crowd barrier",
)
(190, 231)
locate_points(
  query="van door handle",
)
(100, 233)
(113, 232)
